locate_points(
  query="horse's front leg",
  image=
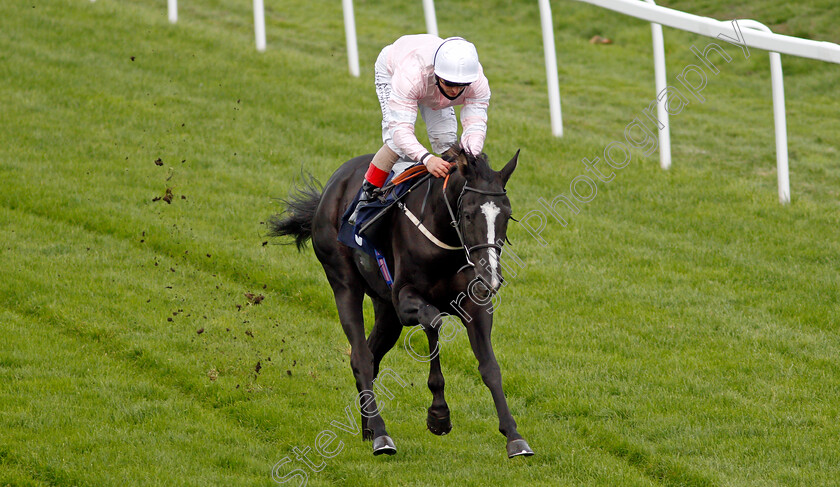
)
(437, 417)
(478, 330)
(414, 310)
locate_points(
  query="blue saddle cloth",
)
(348, 234)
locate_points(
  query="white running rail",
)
(350, 30)
(349, 26)
(551, 69)
(755, 35)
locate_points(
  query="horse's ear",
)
(453, 153)
(508, 169)
(462, 162)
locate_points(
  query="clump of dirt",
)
(258, 367)
(158, 162)
(168, 196)
(254, 298)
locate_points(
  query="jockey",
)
(433, 75)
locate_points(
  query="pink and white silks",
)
(405, 83)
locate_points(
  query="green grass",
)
(682, 329)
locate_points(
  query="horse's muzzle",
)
(484, 290)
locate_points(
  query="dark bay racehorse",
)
(467, 214)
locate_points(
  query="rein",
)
(404, 176)
(416, 221)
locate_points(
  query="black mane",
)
(479, 162)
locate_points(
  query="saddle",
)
(369, 234)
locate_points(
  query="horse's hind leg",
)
(386, 331)
(348, 300)
(415, 310)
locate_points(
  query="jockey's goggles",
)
(451, 84)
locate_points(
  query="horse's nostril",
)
(483, 291)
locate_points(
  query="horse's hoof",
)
(367, 434)
(384, 444)
(519, 448)
(438, 426)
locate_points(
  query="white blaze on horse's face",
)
(491, 211)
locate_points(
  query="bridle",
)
(455, 221)
(455, 218)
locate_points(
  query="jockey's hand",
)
(438, 167)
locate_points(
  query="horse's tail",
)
(296, 218)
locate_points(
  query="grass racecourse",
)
(681, 329)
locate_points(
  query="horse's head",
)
(483, 211)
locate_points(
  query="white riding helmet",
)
(456, 61)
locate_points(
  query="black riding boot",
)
(366, 198)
